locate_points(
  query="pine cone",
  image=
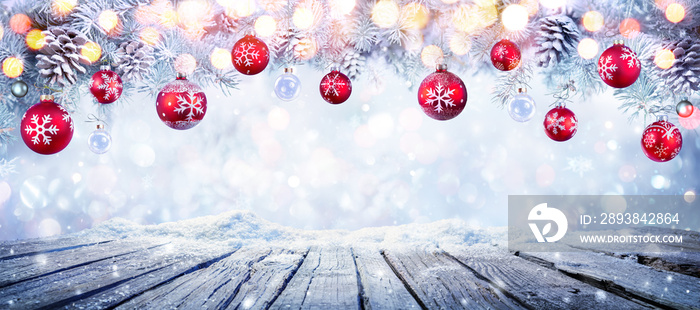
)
(557, 38)
(684, 76)
(134, 58)
(353, 63)
(61, 56)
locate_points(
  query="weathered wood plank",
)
(326, 280)
(223, 284)
(107, 282)
(625, 278)
(381, 289)
(11, 250)
(27, 267)
(531, 284)
(442, 283)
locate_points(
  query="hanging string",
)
(94, 119)
(564, 93)
(46, 87)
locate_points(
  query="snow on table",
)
(239, 261)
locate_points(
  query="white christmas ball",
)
(287, 86)
(99, 141)
(522, 108)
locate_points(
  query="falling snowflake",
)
(112, 85)
(606, 68)
(41, 133)
(190, 103)
(579, 165)
(246, 54)
(440, 97)
(556, 123)
(331, 84)
(649, 140)
(631, 57)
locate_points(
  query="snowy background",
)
(374, 160)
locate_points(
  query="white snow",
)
(241, 228)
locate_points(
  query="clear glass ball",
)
(287, 86)
(99, 141)
(522, 108)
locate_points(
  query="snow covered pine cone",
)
(557, 37)
(684, 76)
(133, 60)
(60, 57)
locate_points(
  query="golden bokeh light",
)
(12, 67)
(20, 23)
(108, 20)
(63, 7)
(629, 28)
(92, 51)
(303, 17)
(415, 15)
(185, 63)
(514, 17)
(306, 48)
(593, 21)
(675, 13)
(464, 21)
(460, 44)
(588, 48)
(150, 36)
(221, 58)
(431, 55)
(385, 13)
(35, 39)
(265, 26)
(240, 8)
(169, 19)
(532, 6)
(664, 59)
(192, 12)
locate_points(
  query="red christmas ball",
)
(181, 104)
(46, 127)
(619, 66)
(442, 95)
(250, 55)
(106, 85)
(505, 55)
(560, 124)
(661, 141)
(335, 87)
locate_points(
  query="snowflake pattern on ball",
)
(189, 103)
(557, 123)
(501, 50)
(112, 85)
(660, 150)
(667, 130)
(246, 54)
(630, 56)
(331, 84)
(66, 118)
(649, 140)
(42, 130)
(440, 97)
(606, 67)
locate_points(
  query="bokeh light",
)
(306, 48)
(265, 26)
(241, 8)
(278, 118)
(514, 17)
(303, 17)
(415, 15)
(552, 4)
(20, 23)
(92, 51)
(468, 18)
(385, 13)
(588, 48)
(220, 58)
(460, 44)
(193, 12)
(168, 19)
(185, 63)
(108, 20)
(340, 8)
(689, 196)
(12, 67)
(431, 55)
(35, 39)
(664, 59)
(691, 122)
(629, 28)
(63, 7)
(593, 21)
(150, 36)
(675, 12)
